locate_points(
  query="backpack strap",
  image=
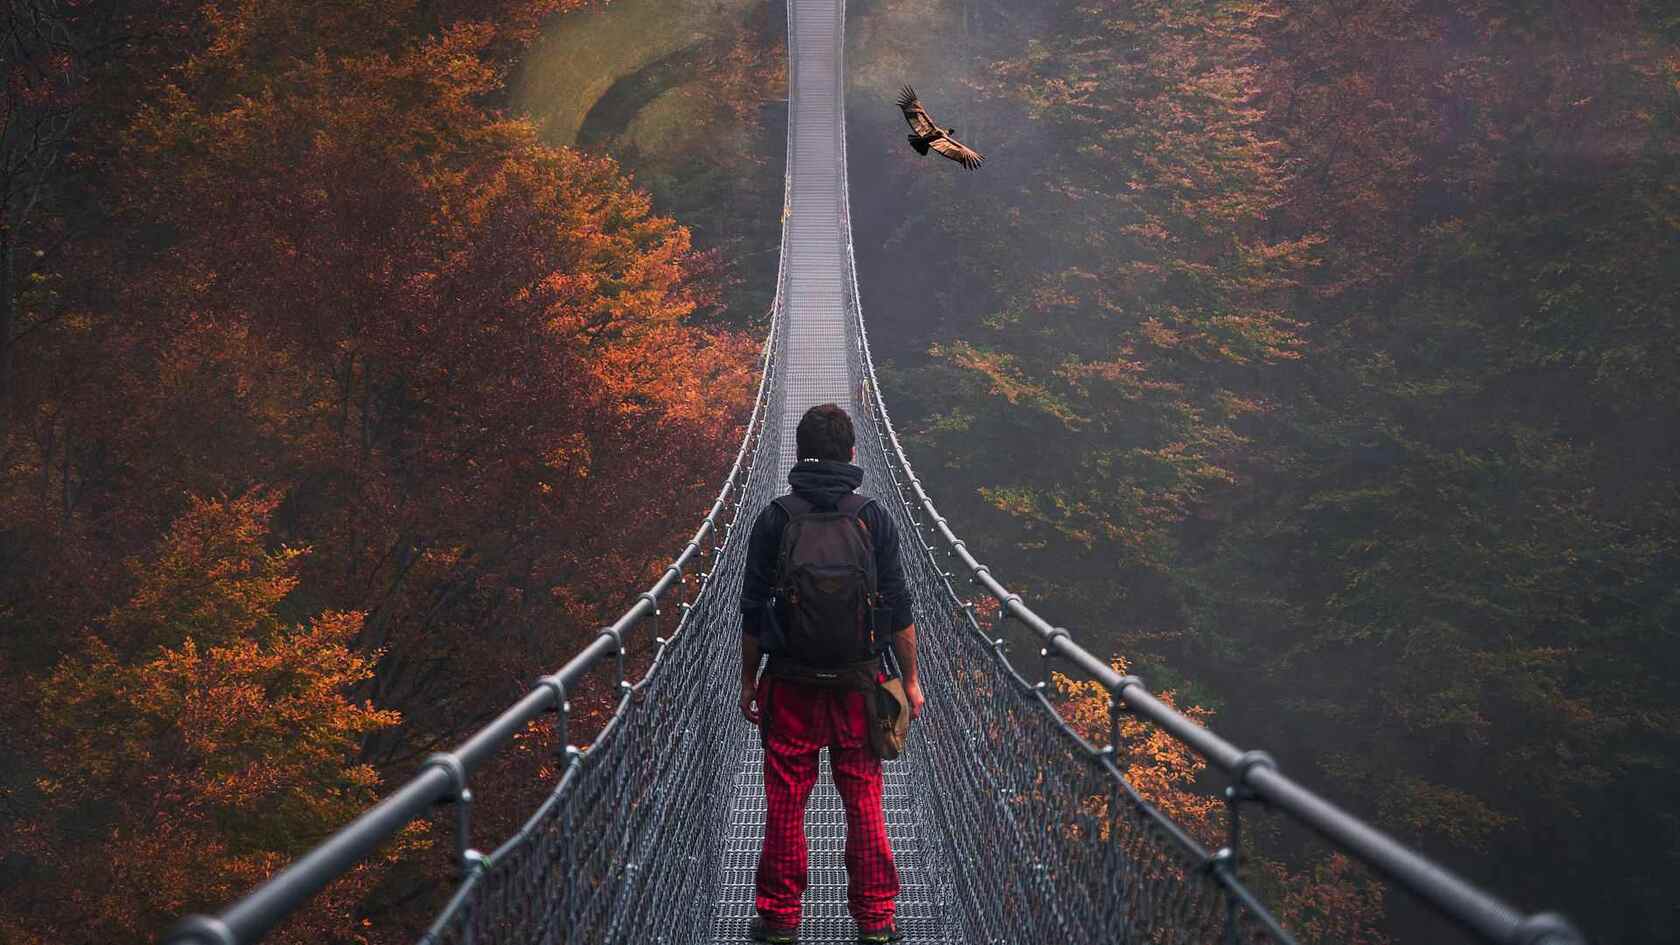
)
(793, 506)
(853, 504)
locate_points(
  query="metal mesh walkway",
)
(820, 368)
(813, 275)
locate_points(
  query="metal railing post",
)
(468, 859)
(562, 712)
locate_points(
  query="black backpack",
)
(825, 583)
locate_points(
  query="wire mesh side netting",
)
(626, 847)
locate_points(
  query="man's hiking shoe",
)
(882, 935)
(761, 931)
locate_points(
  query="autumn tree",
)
(1162, 769)
(1419, 511)
(1332, 903)
(310, 249)
(1329, 902)
(371, 285)
(36, 108)
(1123, 346)
(1479, 506)
(195, 740)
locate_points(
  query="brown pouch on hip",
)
(889, 718)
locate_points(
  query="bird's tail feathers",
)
(919, 143)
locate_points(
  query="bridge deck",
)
(814, 299)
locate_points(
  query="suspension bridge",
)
(1007, 825)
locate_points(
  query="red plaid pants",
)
(799, 721)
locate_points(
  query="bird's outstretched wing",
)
(959, 152)
(920, 122)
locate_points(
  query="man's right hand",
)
(913, 692)
(748, 696)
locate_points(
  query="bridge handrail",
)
(1478, 912)
(443, 777)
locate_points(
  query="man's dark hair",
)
(825, 432)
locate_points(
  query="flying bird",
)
(929, 135)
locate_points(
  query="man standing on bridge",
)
(823, 596)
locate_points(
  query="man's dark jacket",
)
(822, 483)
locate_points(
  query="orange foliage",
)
(1336, 903)
(196, 739)
(1332, 903)
(1158, 766)
(740, 75)
(451, 339)
(309, 250)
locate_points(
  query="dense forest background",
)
(335, 406)
(1322, 359)
(1317, 358)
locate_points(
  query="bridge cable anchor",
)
(1111, 751)
(1226, 861)
(1045, 653)
(618, 643)
(1547, 928)
(659, 640)
(471, 861)
(201, 930)
(682, 582)
(562, 711)
(1011, 600)
(652, 600)
(1116, 706)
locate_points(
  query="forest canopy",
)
(1317, 359)
(1322, 360)
(321, 379)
